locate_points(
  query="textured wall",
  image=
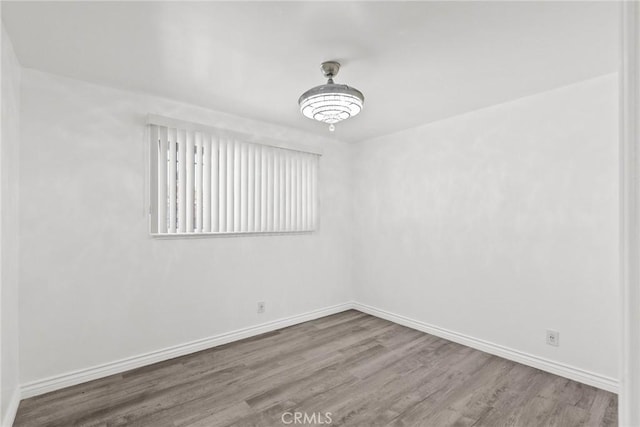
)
(9, 218)
(96, 288)
(500, 224)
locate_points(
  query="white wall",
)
(96, 288)
(500, 224)
(9, 218)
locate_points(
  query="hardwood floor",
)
(362, 370)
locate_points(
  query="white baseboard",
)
(12, 409)
(557, 368)
(57, 382)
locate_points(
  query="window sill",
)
(162, 236)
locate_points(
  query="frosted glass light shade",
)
(331, 103)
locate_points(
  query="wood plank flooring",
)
(362, 370)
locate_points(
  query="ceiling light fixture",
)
(331, 103)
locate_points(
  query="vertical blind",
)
(203, 182)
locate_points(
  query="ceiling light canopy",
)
(331, 103)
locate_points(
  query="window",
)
(205, 181)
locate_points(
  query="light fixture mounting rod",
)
(330, 69)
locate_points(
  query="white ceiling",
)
(415, 62)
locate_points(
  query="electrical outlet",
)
(553, 338)
(261, 306)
